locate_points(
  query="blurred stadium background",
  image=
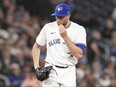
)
(22, 20)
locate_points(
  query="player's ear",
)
(69, 15)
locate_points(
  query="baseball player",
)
(65, 42)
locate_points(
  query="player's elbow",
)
(79, 55)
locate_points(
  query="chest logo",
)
(54, 41)
(53, 32)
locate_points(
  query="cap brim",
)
(54, 14)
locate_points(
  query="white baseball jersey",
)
(57, 51)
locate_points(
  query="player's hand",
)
(62, 31)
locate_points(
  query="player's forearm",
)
(76, 51)
(35, 55)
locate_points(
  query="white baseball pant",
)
(61, 77)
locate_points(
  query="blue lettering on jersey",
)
(54, 41)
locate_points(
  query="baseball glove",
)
(42, 73)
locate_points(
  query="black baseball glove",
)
(42, 73)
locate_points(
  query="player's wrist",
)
(36, 67)
(65, 37)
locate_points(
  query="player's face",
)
(62, 20)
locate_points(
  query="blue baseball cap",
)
(61, 10)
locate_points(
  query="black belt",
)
(59, 66)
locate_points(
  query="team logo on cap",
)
(60, 9)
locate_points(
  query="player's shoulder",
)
(77, 26)
(51, 23)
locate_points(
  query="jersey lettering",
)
(54, 41)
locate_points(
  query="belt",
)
(59, 66)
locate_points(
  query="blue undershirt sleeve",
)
(82, 46)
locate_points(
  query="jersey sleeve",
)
(41, 38)
(80, 36)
